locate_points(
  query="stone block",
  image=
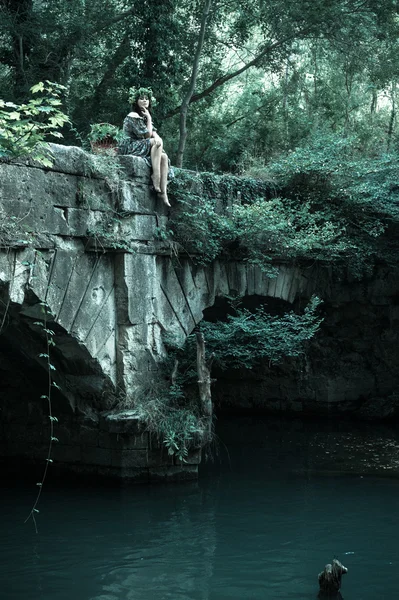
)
(140, 278)
(82, 270)
(61, 268)
(21, 274)
(65, 453)
(88, 436)
(121, 422)
(138, 227)
(107, 357)
(193, 458)
(237, 278)
(103, 327)
(264, 286)
(69, 159)
(6, 266)
(94, 194)
(96, 295)
(184, 274)
(83, 222)
(66, 433)
(96, 456)
(123, 441)
(134, 458)
(175, 295)
(160, 457)
(136, 197)
(136, 168)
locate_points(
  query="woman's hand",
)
(157, 140)
(146, 114)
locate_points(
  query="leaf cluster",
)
(104, 131)
(24, 127)
(245, 338)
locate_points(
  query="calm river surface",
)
(260, 524)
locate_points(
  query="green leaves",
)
(322, 202)
(246, 338)
(24, 127)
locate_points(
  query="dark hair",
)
(135, 105)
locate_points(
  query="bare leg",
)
(164, 172)
(156, 153)
(164, 178)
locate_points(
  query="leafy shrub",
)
(246, 338)
(103, 131)
(24, 127)
(167, 414)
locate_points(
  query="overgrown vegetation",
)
(247, 338)
(243, 340)
(174, 419)
(173, 412)
(322, 202)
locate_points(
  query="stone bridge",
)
(106, 287)
(110, 286)
(81, 256)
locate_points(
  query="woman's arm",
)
(147, 115)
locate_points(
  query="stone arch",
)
(186, 289)
(30, 279)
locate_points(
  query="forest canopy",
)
(270, 73)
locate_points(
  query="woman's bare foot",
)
(164, 198)
(156, 183)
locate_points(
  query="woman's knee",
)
(164, 157)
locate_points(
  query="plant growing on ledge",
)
(24, 127)
(103, 137)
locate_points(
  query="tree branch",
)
(225, 78)
(188, 97)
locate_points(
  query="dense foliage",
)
(269, 74)
(322, 202)
(246, 338)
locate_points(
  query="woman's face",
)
(143, 102)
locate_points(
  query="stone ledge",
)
(121, 422)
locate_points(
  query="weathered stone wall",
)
(113, 288)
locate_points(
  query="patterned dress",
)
(135, 141)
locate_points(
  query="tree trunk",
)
(204, 381)
(121, 53)
(253, 63)
(193, 80)
(392, 117)
(20, 14)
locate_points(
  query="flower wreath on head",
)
(136, 93)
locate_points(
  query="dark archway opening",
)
(265, 388)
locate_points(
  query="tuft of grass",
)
(167, 414)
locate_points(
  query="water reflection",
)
(260, 524)
(172, 551)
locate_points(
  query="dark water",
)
(256, 526)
